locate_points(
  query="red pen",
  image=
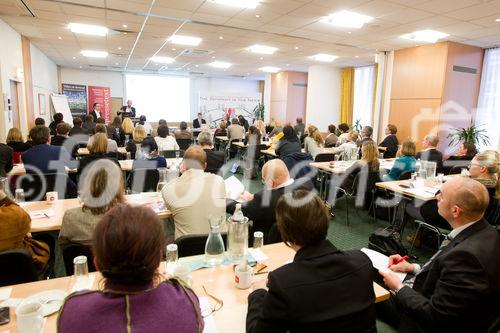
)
(401, 260)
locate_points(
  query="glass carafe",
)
(214, 247)
(237, 235)
(162, 180)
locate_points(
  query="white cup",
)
(51, 197)
(182, 271)
(29, 317)
(243, 276)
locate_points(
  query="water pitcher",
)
(162, 180)
(214, 247)
(237, 235)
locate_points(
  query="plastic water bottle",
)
(237, 235)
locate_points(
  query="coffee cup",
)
(51, 197)
(29, 317)
(243, 276)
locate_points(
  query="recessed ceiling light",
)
(119, 48)
(162, 60)
(116, 63)
(59, 37)
(287, 65)
(213, 57)
(124, 33)
(270, 69)
(174, 49)
(124, 25)
(262, 49)
(356, 57)
(257, 15)
(185, 40)
(323, 57)
(261, 58)
(429, 36)
(94, 54)
(196, 66)
(221, 37)
(74, 57)
(349, 32)
(296, 47)
(237, 3)
(88, 29)
(345, 18)
(497, 20)
(80, 66)
(220, 64)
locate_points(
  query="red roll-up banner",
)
(101, 95)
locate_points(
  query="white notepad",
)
(234, 188)
(381, 261)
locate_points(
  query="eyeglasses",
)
(218, 305)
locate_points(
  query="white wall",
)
(267, 98)
(114, 80)
(323, 96)
(44, 73)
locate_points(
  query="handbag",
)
(387, 241)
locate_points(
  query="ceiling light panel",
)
(162, 60)
(220, 64)
(347, 19)
(237, 3)
(323, 57)
(185, 40)
(88, 29)
(428, 36)
(270, 69)
(94, 54)
(262, 49)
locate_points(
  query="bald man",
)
(260, 207)
(458, 290)
(195, 195)
(430, 152)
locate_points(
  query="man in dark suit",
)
(62, 132)
(127, 111)
(77, 127)
(458, 290)
(430, 152)
(5, 159)
(259, 207)
(215, 159)
(199, 121)
(96, 112)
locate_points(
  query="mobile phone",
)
(4, 315)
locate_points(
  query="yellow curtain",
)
(346, 95)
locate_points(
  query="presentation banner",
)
(101, 95)
(216, 106)
(77, 98)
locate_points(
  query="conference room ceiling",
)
(293, 26)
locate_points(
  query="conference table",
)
(218, 282)
(85, 151)
(48, 217)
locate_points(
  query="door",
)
(14, 102)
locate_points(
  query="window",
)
(364, 86)
(488, 106)
(159, 97)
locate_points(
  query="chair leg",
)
(414, 239)
(346, 210)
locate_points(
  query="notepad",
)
(381, 261)
(209, 320)
(44, 213)
(234, 188)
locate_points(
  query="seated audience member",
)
(331, 139)
(259, 124)
(62, 133)
(270, 126)
(58, 118)
(466, 151)
(243, 122)
(15, 141)
(221, 130)
(42, 154)
(350, 147)
(15, 232)
(215, 159)
(183, 132)
(194, 195)
(368, 163)
(390, 141)
(149, 158)
(112, 145)
(277, 128)
(100, 190)
(260, 207)
(366, 133)
(128, 246)
(253, 136)
(344, 134)
(133, 145)
(289, 143)
(404, 162)
(164, 140)
(98, 149)
(147, 126)
(88, 124)
(458, 289)
(313, 143)
(115, 131)
(235, 131)
(128, 129)
(160, 123)
(77, 128)
(6, 159)
(299, 127)
(39, 122)
(430, 152)
(323, 289)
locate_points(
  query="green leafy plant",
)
(258, 111)
(357, 126)
(472, 134)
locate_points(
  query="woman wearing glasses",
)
(128, 245)
(323, 289)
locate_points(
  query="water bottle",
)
(237, 235)
(81, 267)
(214, 247)
(162, 180)
(171, 258)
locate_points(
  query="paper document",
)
(381, 261)
(209, 320)
(5, 293)
(234, 188)
(44, 213)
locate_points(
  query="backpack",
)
(387, 241)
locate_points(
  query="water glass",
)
(19, 196)
(171, 258)
(258, 239)
(177, 154)
(80, 266)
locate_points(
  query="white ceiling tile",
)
(45, 5)
(244, 24)
(129, 6)
(210, 18)
(95, 3)
(280, 6)
(474, 12)
(406, 15)
(433, 22)
(277, 29)
(217, 9)
(334, 5)
(487, 21)
(378, 8)
(292, 22)
(171, 12)
(445, 6)
(188, 5)
(458, 28)
(83, 11)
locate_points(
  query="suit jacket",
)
(322, 290)
(5, 159)
(432, 155)
(459, 291)
(94, 115)
(391, 143)
(40, 156)
(123, 112)
(196, 123)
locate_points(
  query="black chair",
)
(17, 267)
(143, 180)
(184, 143)
(457, 169)
(74, 250)
(35, 186)
(324, 157)
(191, 245)
(171, 153)
(492, 213)
(254, 159)
(405, 175)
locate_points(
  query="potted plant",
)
(472, 134)
(258, 111)
(357, 126)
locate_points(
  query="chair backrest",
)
(191, 245)
(184, 143)
(405, 175)
(171, 153)
(366, 187)
(492, 214)
(144, 180)
(35, 186)
(17, 267)
(291, 160)
(324, 157)
(255, 151)
(74, 250)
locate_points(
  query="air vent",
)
(196, 73)
(238, 76)
(198, 53)
(463, 69)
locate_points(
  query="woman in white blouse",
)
(313, 143)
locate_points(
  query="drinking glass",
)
(19, 196)
(258, 239)
(171, 258)
(80, 266)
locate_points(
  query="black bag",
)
(387, 241)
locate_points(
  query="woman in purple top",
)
(127, 245)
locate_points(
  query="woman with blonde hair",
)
(15, 141)
(349, 148)
(368, 163)
(485, 168)
(313, 143)
(98, 149)
(140, 139)
(128, 127)
(260, 126)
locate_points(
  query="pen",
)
(401, 260)
(46, 215)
